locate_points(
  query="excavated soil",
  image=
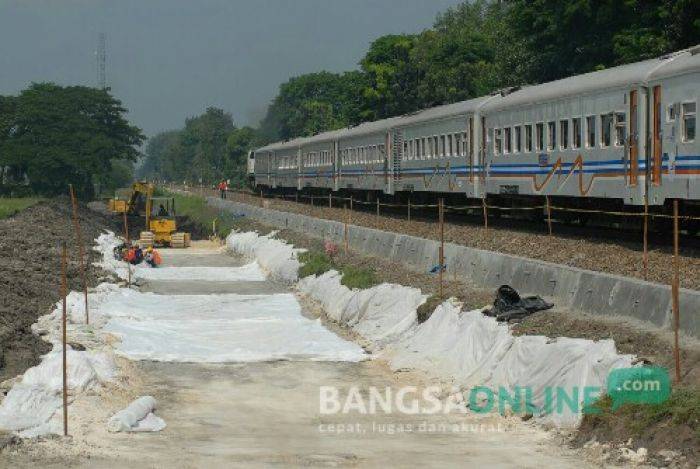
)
(621, 256)
(30, 251)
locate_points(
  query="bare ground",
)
(30, 274)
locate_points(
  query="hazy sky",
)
(170, 59)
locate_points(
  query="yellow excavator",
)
(161, 223)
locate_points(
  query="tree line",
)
(52, 136)
(472, 49)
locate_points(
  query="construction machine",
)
(161, 220)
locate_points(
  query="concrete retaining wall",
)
(576, 289)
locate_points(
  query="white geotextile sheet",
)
(248, 272)
(276, 257)
(476, 350)
(381, 314)
(137, 417)
(467, 348)
(106, 243)
(219, 328)
(36, 398)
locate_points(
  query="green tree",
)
(203, 142)
(67, 135)
(391, 78)
(313, 103)
(564, 37)
(238, 144)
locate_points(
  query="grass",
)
(315, 263)
(196, 209)
(426, 309)
(682, 408)
(354, 277)
(318, 262)
(11, 206)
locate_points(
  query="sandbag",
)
(137, 417)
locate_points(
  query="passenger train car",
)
(620, 136)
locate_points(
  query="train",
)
(619, 138)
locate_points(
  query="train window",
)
(564, 134)
(606, 123)
(689, 113)
(450, 145)
(497, 142)
(507, 140)
(436, 151)
(551, 135)
(620, 128)
(576, 127)
(442, 145)
(458, 144)
(590, 131)
(528, 138)
(539, 136)
(465, 144)
(518, 137)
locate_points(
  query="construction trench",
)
(235, 348)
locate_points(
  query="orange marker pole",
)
(81, 250)
(64, 294)
(675, 292)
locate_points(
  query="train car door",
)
(273, 169)
(470, 149)
(334, 167)
(633, 154)
(656, 162)
(396, 157)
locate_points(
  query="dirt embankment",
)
(30, 274)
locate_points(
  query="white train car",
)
(621, 136)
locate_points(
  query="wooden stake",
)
(126, 228)
(347, 217)
(441, 218)
(645, 257)
(675, 292)
(549, 215)
(330, 200)
(64, 294)
(128, 244)
(377, 205)
(409, 209)
(351, 203)
(81, 250)
(486, 213)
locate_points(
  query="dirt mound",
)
(30, 274)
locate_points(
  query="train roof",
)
(383, 125)
(616, 77)
(673, 64)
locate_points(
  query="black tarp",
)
(509, 305)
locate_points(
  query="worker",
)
(162, 212)
(152, 257)
(138, 254)
(222, 189)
